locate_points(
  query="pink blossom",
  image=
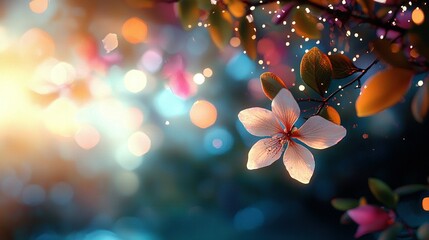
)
(316, 132)
(370, 219)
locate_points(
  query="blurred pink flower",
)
(370, 219)
(316, 132)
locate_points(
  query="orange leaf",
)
(383, 90)
(329, 113)
(271, 84)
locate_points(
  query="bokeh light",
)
(87, 136)
(218, 141)
(36, 44)
(425, 203)
(418, 16)
(135, 81)
(38, 6)
(135, 30)
(203, 114)
(139, 143)
(60, 117)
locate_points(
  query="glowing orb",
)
(203, 114)
(135, 30)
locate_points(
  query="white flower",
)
(316, 132)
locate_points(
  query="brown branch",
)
(342, 15)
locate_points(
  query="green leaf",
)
(271, 84)
(247, 33)
(410, 189)
(329, 113)
(344, 204)
(189, 13)
(306, 24)
(383, 193)
(423, 232)
(390, 54)
(342, 66)
(316, 70)
(392, 232)
(220, 28)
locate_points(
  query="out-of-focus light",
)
(59, 117)
(240, 67)
(207, 72)
(218, 141)
(151, 60)
(33, 195)
(199, 78)
(36, 44)
(248, 218)
(301, 88)
(203, 114)
(418, 16)
(126, 183)
(110, 42)
(169, 105)
(126, 159)
(235, 42)
(134, 118)
(11, 184)
(38, 6)
(139, 143)
(62, 73)
(101, 235)
(135, 80)
(420, 83)
(87, 137)
(61, 193)
(135, 30)
(425, 204)
(4, 39)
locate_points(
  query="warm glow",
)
(235, 42)
(59, 117)
(38, 6)
(36, 44)
(62, 73)
(207, 72)
(199, 78)
(110, 42)
(87, 137)
(425, 204)
(418, 16)
(139, 143)
(134, 30)
(135, 81)
(203, 114)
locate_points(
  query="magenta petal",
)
(370, 219)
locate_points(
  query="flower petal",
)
(299, 162)
(370, 219)
(264, 152)
(320, 133)
(285, 108)
(259, 121)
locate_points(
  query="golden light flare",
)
(425, 204)
(135, 30)
(418, 16)
(203, 114)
